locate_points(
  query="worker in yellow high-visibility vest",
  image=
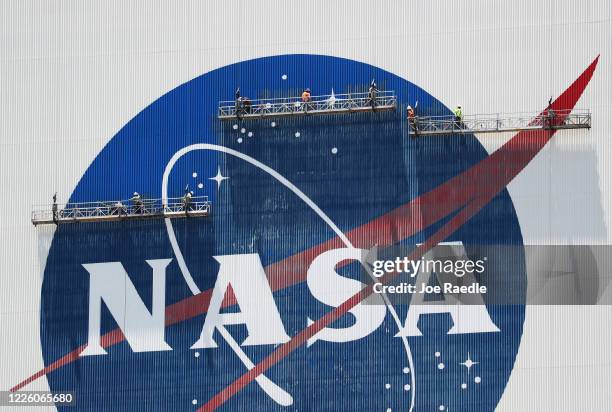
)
(458, 117)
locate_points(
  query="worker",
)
(239, 106)
(54, 208)
(550, 118)
(246, 105)
(412, 118)
(187, 200)
(118, 209)
(137, 203)
(372, 94)
(306, 99)
(550, 115)
(458, 117)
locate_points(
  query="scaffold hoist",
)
(372, 101)
(241, 109)
(499, 122)
(386, 100)
(118, 210)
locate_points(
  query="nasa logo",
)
(179, 311)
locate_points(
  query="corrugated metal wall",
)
(72, 75)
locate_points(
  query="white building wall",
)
(72, 73)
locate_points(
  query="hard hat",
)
(191, 193)
(409, 107)
(135, 193)
(307, 90)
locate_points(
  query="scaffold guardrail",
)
(294, 106)
(500, 122)
(171, 208)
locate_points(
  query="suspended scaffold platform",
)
(318, 105)
(171, 208)
(500, 122)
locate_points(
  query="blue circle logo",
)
(166, 314)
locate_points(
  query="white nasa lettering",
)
(144, 331)
(258, 311)
(327, 286)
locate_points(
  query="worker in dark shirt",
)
(54, 208)
(239, 107)
(550, 115)
(372, 94)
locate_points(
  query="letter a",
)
(253, 294)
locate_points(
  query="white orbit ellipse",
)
(277, 393)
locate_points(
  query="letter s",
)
(480, 266)
(328, 287)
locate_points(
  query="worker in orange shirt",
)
(412, 118)
(306, 99)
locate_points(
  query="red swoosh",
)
(490, 176)
(471, 190)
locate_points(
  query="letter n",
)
(143, 330)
